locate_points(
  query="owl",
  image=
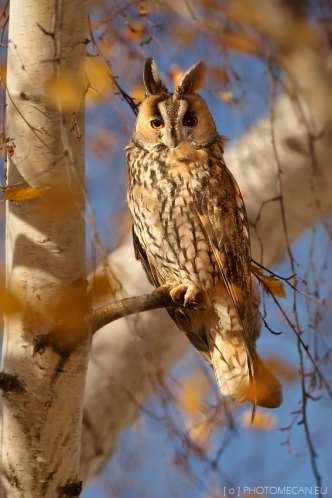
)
(190, 231)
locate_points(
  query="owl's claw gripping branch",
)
(188, 296)
(158, 298)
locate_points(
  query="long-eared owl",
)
(190, 231)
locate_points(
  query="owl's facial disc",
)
(170, 120)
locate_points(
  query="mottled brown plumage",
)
(190, 230)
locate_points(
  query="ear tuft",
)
(152, 80)
(192, 79)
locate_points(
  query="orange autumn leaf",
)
(190, 400)
(136, 30)
(227, 97)
(193, 392)
(101, 287)
(9, 303)
(98, 74)
(3, 73)
(22, 193)
(241, 42)
(183, 36)
(138, 93)
(143, 10)
(65, 90)
(271, 283)
(262, 421)
(274, 285)
(219, 74)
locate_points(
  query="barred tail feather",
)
(233, 368)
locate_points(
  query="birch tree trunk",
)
(46, 344)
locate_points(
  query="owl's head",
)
(169, 119)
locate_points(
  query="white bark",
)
(43, 387)
(127, 355)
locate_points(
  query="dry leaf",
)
(182, 35)
(262, 421)
(227, 97)
(275, 286)
(19, 193)
(9, 303)
(101, 287)
(270, 282)
(241, 43)
(65, 91)
(193, 392)
(219, 74)
(138, 93)
(3, 73)
(143, 9)
(190, 399)
(136, 30)
(99, 78)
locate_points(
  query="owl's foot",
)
(188, 295)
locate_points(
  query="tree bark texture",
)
(44, 360)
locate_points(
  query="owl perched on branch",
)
(190, 231)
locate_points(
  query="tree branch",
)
(104, 315)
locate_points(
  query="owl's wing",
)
(222, 215)
(140, 254)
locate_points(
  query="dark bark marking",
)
(70, 490)
(10, 383)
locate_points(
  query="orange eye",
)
(157, 124)
(190, 121)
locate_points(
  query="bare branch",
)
(158, 298)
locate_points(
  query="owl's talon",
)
(188, 296)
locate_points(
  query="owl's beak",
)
(172, 139)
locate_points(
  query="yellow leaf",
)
(193, 392)
(138, 93)
(183, 36)
(143, 9)
(275, 286)
(99, 76)
(19, 193)
(240, 42)
(101, 287)
(189, 400)
(3, 73)
(65, 91)
(270, 282)
(9, 302)
(219, 74)
(262, 421)
(227, 97)
(137, 30)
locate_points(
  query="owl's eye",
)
(157, 123)
(190, 120)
